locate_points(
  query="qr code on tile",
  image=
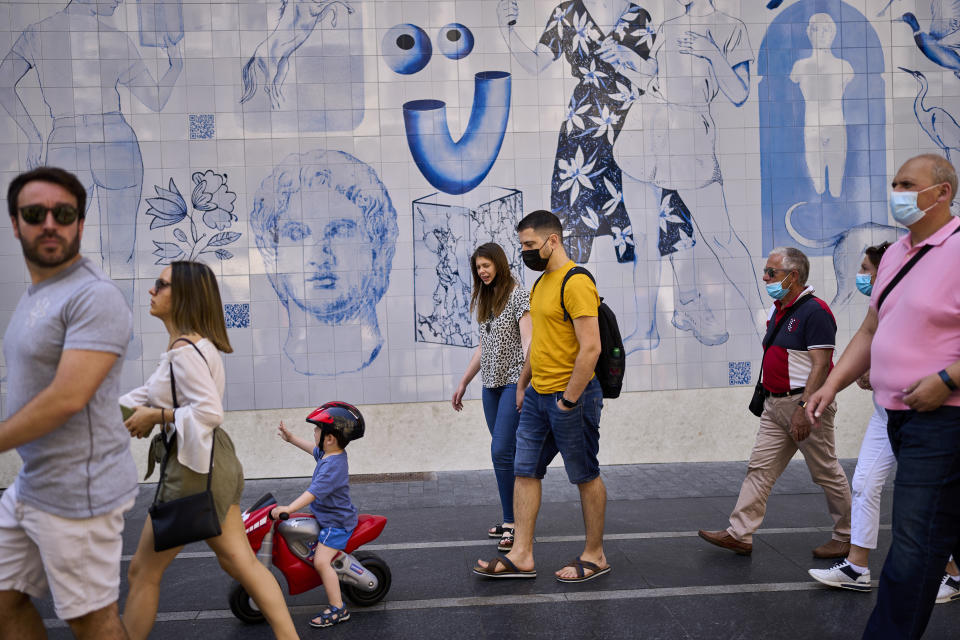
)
(238, 315)
(739, 373)
(202, 126)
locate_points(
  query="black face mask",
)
(533, 259)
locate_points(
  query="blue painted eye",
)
(455, 41)
(406, 48)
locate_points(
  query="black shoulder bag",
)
(190, 518)
(759, 393)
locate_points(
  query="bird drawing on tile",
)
(941, 44)
(936, 122)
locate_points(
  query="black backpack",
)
(612, 361)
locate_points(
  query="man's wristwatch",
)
(947, 380)
(802, 404)
(567, 403)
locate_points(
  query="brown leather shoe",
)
(832, 549)
(727, 541)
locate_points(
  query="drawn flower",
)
(615, 198)
(557, 18)
(574, 121)
(167, 208)
(591, 219)
(574, 173)
(583, 33)
(591, 75)
(622, 237)
(211, 195)
(627, 94)
(645, 36)
(606, 123)
(167, 252)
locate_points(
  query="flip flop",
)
(511, 570)
(580, 564)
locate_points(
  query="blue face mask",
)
(903, 206)
(776, 291)
(863, 284)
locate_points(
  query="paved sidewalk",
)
(666, 582)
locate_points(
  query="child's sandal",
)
(506, 540)
(330, 616)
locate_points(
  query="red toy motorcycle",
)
(364, 576)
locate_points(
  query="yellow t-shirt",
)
(554, 346)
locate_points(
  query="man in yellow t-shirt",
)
(560, 410)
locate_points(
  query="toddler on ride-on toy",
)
(335, 425)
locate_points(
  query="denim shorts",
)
(334, 537)
(545, 430)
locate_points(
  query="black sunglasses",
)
(770, 271)
(37, 213)
(160, 284)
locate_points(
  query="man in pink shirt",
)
(910, 341)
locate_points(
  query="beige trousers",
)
(772, 450)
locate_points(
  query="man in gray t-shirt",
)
(60, 522)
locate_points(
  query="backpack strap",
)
(574, 271)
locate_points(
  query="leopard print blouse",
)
(501, 352)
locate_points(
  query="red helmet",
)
(338, 417)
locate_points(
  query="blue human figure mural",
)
(270, 61)
(326, 229)
(89, 135)
(823, 178)
(671, 145)
(585, 188)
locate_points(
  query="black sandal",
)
(497, 531)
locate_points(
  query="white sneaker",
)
(949, 589)
(843, 576)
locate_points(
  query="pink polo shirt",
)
(919, 329)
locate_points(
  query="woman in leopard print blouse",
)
(503, 315)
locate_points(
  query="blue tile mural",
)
(281, 142)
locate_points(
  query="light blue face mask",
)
(776, 291)
(864, 285)
(903, 206)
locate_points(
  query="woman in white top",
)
(186, 298)
(503, 312)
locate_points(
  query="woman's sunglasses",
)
(160, 284)
(37, 213)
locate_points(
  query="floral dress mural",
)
(585, 191)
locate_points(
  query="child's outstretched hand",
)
(283, 433)
(276, 511)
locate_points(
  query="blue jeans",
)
(926, 520)
(544, 430)
(500, 410)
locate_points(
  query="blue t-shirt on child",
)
(331, 489)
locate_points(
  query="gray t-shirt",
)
(83, 468)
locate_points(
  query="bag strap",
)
(905, 270)
(176, 404)
(776, 329)
(563, 285)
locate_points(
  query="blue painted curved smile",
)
(457, 167)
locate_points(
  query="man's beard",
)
(69, 250)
